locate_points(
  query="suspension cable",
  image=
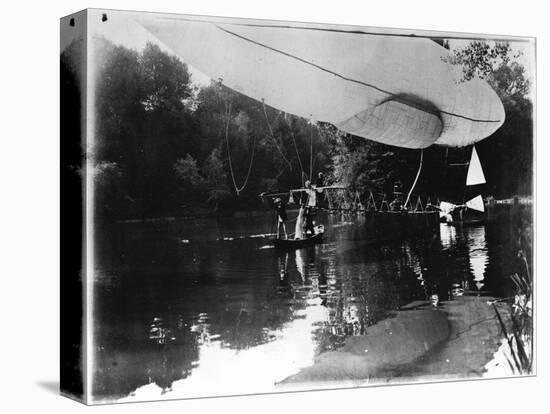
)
(416, 179)
(228, 119)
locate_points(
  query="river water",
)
(207, 307)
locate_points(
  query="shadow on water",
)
(183, 307)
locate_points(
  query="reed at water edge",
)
(518, 331)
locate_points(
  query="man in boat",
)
(281, 217)
(320, 180)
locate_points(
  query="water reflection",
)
(474, 240)
(479, 258)
(216, 316)
(448, 235)
(158, 333)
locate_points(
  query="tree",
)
(191, 182)
(166, 80)
(367, 166)
(169, 140)
(187, 172)
(507, 155)
(144, 125)
(214, 170)
(275, 146)
(479, 59)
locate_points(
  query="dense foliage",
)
(166, 147)
(507, 155)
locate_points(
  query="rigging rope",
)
(228, 119)
(416, 179)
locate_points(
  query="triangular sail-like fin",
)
(475, 172)
(476, 203)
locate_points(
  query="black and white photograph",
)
(267, 206)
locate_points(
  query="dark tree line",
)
(165, 147)
(508, 153)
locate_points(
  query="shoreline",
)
(491, 202)
(458, 340)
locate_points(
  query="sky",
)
(122, 30)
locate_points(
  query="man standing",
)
(320, 180)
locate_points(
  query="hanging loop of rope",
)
(416, 179)
(227, 122)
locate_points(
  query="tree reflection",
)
(356, 293)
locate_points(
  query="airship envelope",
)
(391, 89)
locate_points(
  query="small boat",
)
(298, 243)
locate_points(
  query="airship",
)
(394, 89)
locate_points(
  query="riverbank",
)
(205, 213)
(455, 341)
